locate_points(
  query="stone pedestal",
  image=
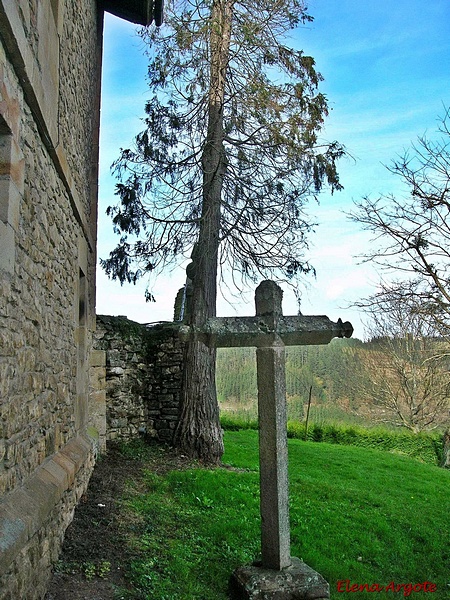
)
(296, 582)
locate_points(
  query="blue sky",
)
(386, 69)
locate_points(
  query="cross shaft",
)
(269, 331)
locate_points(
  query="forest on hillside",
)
(348, 381)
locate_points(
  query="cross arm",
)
(260, 331)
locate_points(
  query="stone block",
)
(98, 399)
(166, 398)
(155, 413)
(9, 210)
(98, 358)
(14, 532)
(165, 435)
(59, 474)
(43, 491)
(114, 358)
(171, 412)
(7, 248)
(296, 582)
(116, 371)
(76, 450)
(67, 464)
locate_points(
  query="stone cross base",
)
(296, 582)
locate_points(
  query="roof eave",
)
(140, 12)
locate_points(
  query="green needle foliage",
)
(220, 75)
(229, 156)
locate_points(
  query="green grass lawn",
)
(357, 514)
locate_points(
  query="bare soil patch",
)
(92, 564)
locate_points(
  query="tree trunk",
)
(445, 462)
(198, 432)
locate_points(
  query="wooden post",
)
(307, 413)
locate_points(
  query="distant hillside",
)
(346, 379)
(333, 371)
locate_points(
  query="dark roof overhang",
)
(141, 12)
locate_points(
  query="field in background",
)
(321, 414)
(327, 374)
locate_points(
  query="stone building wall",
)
(143, 377)
(79, 26)
(52, 397)
(47, 285)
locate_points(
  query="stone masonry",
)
(143, 377)
(47, 288)
(52, 405)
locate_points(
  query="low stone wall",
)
(143, 377)
(35, 516)
(97, 395)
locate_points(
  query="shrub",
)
(236, 423)
(426, 447)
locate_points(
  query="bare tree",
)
(412, 234)
(407, 379)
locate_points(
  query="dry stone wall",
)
(143, 377)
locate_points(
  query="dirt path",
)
(95, 551)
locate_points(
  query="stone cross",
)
(270, 332)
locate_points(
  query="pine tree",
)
(228, 158)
